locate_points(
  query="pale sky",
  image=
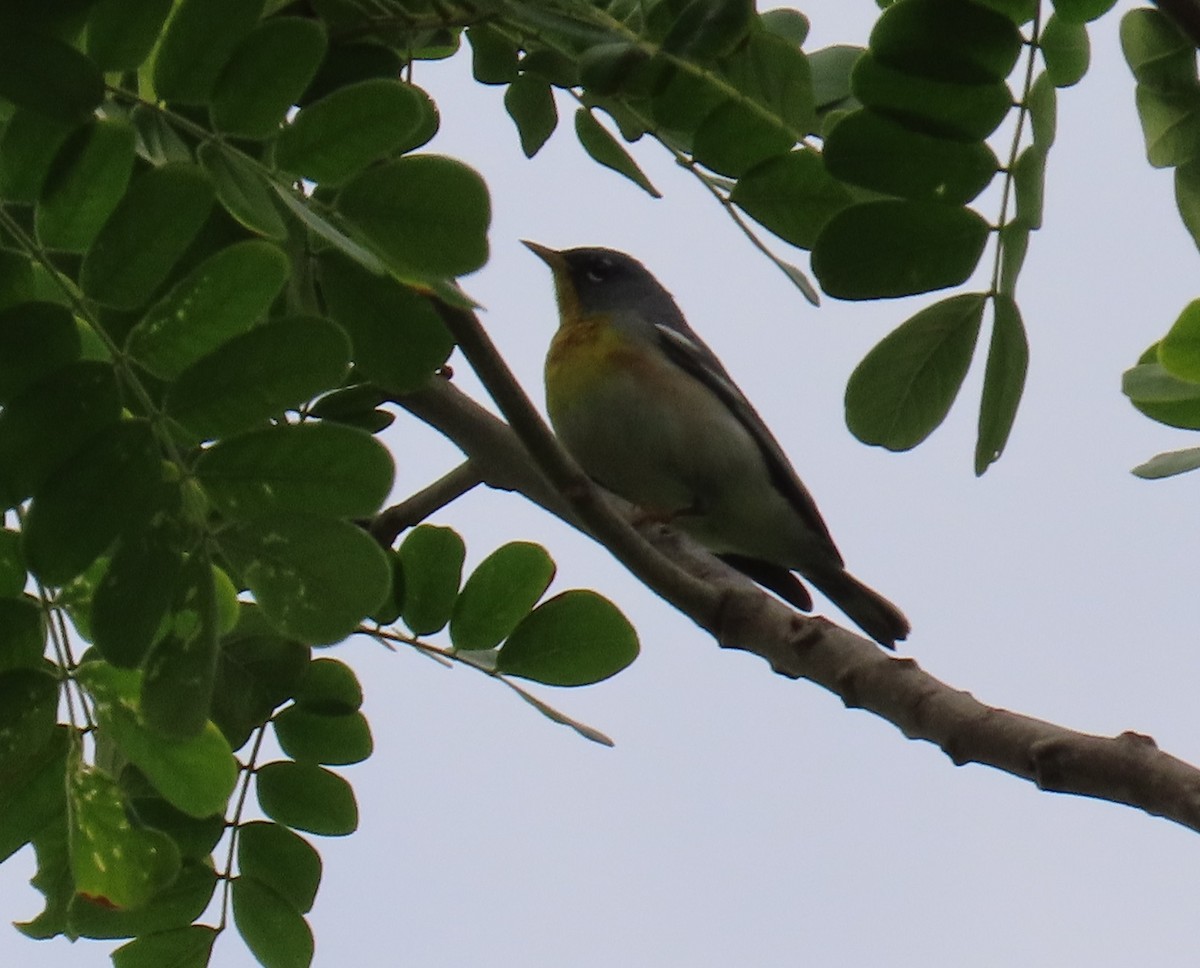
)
(743, 819)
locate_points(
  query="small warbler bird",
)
(649, 412)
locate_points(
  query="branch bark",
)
(523, 456)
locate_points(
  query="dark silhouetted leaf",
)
(1003, 381)
(897, 248)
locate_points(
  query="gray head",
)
(595, 280)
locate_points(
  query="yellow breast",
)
(582, 353)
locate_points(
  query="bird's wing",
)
(688, 351)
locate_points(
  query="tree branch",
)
(389, 522)
(1127, 769)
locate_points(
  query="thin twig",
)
(449, 487)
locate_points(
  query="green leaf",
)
(791, 25)
(1169, 464)
(903, 388)
(1066, 51)
(28, 711)
(1029, 180)
(573, 639)
(329, 687)
(272, 368)
(332, 740)
(897, 248)
(946, 109)
(682, 102)
(273, 929)
(312, 467)
(134, 596)
(33, 797)
(221, 298)
(316, 578)
(22, 632)
(432, 559)
(735, 137)
(196, 774)
(49, 421)
(793, 196)
(265, 76)
(53, 878)
(36, 338)
(426, 214)
(1042, 102)
(1014, 243)
(308, 798)
(112, 483)
(333, 139)
(1179, 351)
(831, 68)
(1157, 52)
(1163, 397)
(1082, 11)
(255, 674)
(705, 29)
(1003, 381)
(177, 685)
(282, 860)
(325, 229)
(946, 40)
(158, 142)
(398, 337)
(613, 67)
(28, 143)
(349, 403)
(167, 204)
(172, 908)
(605, 150)
(13, 576)
(43, 74)
(189, 947)
(200, 38)
(775, 75)
(870, 150)
(493, 54)
(114, 862)
(501, 591)
(242, 190)
(348, 63)
(1170, 125)
(120, 34)
(84, 185)
(196, 837)
(530, 103)
(1187, 199)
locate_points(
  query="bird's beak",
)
(564, 288)
(552, 257)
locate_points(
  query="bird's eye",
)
(599, 271)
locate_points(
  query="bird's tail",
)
(871, 612)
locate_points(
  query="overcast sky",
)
(746, 820)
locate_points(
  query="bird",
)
(647, 410)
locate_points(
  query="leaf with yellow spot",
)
(115, 862)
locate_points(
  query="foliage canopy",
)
(223, 251)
